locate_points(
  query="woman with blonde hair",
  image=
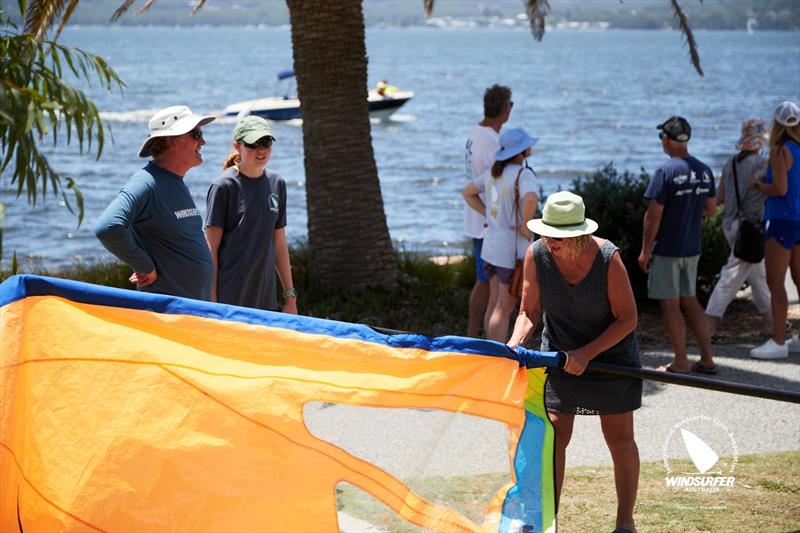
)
(245, 224)
(509, 189)
(575, 283)
(782, 214)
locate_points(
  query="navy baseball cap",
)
(676, 128)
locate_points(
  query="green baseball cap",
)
(251, 128)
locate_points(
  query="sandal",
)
(703, 369)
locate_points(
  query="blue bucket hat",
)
(512, 142)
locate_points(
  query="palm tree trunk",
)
(348, 237)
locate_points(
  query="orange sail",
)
(126, 411)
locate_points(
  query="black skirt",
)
(591, 393)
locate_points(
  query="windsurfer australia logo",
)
(705, 440)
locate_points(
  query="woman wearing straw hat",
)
(246, 224)
(782, 213)
(511, 200)
(741, 203)
(577, 285)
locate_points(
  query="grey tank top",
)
(575, 315)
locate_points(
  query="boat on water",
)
(383, 101)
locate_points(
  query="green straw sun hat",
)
(563, 216)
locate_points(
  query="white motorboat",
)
(287, 107)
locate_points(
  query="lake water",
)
(592, 97)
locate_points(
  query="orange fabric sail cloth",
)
(124, 411)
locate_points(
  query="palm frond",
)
(40, 15)
(687, 33)
(146, 6)
(36, 102)
(537, 11)
(65, 17)
(198, 7)
(122, 9)
(429, 6)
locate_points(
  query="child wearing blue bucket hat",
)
(509, 188)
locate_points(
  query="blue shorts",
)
(477, 246)
(503, 274)
(786, 232)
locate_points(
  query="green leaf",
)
(36, 103)
(71, 185)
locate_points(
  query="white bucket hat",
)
(563, 216)
(171, 122)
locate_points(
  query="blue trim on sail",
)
(523, 506)
(19, 287)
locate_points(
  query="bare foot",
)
(675, 369)
(712, 325)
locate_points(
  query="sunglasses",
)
(263, 142)
(196, 134)
(510, 104)
(662, 134)
(557, 239)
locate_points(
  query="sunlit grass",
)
(764, 498)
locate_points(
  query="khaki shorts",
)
(672, 277)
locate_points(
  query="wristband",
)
(291, 292)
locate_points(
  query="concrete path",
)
(414, 443)
(757, 425)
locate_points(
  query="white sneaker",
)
(794, 344)
(770, 350)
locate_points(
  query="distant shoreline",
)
(287, 27)
(725, 15)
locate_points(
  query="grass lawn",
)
(765, 498)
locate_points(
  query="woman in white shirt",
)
(507, 237)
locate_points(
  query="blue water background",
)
(591, 96)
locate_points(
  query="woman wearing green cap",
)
(245, 224)
(576, 284)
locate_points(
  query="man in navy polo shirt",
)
(680, 193)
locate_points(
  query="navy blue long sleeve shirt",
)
(154, 224)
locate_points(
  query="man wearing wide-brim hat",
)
(153, 225)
